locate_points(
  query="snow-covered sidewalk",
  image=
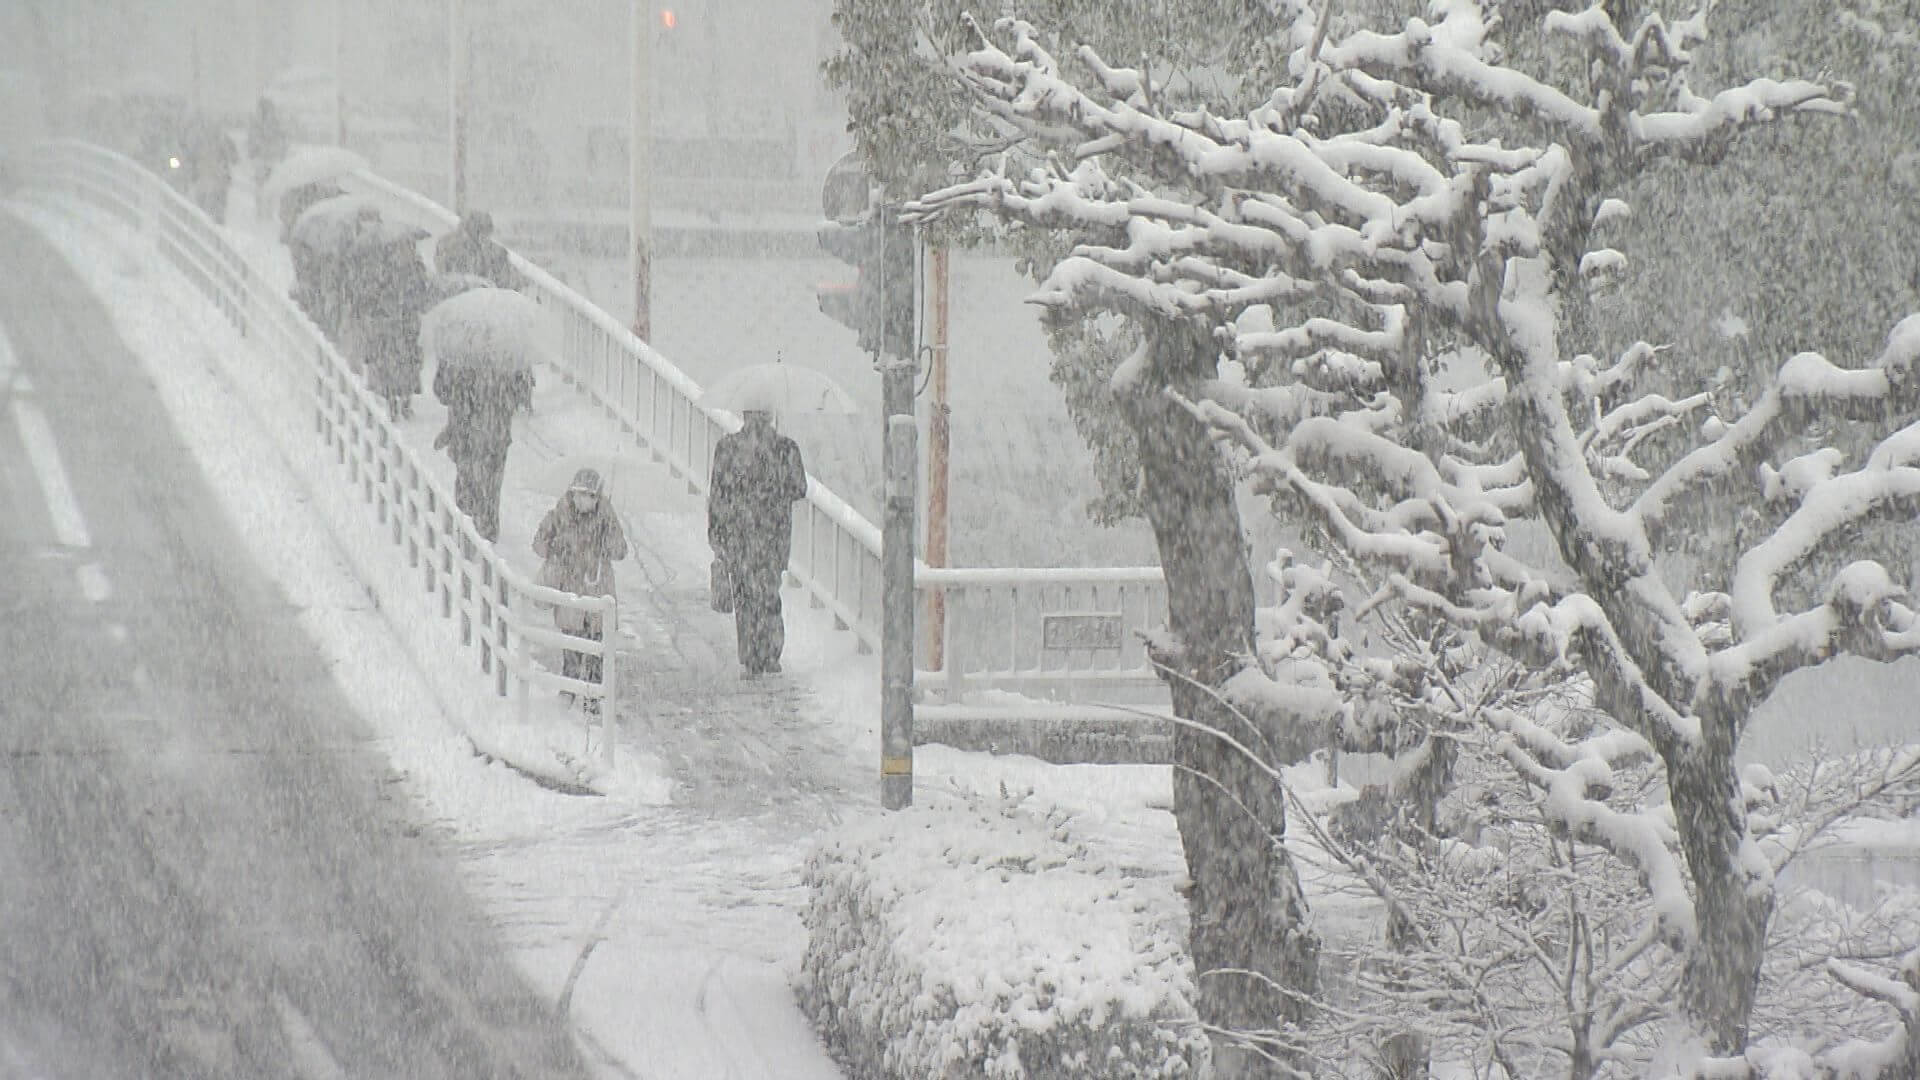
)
(686, 880)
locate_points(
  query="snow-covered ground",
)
(667, 911)
(688, 892)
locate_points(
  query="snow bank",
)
(992, 938)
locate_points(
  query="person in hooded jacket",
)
(579, 540)
(470, 249)
(757, 477)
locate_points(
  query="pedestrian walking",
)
(207, 159)
(390, 321)
(480, 403)
(266, 139)
(757, 477)
(579, 540)
(471, 249)
(483, 342)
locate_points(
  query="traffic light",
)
(878, 305)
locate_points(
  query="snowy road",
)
(205, 869)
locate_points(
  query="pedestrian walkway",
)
(673, 930)
(682, 700)
(696, 904)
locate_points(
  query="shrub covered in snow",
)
(990, 939)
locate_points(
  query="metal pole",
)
(609, 679)
(457, 106)
(640, 169)
(896, 560)
(937, 442)
(196, 92)
(339, 73)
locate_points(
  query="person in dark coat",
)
(579, 541)
(296, 202)
(471, 249)
(390, 321)
(208, 163)
(266, 139)
(480, 400)
(757, 476)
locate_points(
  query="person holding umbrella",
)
(471, 249)
(385, 256)
(483, 342)
(757, 477)
(318, 242)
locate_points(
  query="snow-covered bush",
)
(991, 939)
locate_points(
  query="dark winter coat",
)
(480, 404)
(295, 202)
(470, 249)
(308, 289)
(757, 476)
(266, 138)
(390, 326)
(210, 158)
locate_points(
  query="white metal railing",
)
(995, 621)
(1069, 634)
(836, 552)
(500, 616)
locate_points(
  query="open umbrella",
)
(328, 225)
(446, 286)
(384, 232)
(484, 328)
(309, 165)
(778, 387)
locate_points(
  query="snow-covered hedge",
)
(990, 939)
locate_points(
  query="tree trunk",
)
(1249, 933)
(1732, 908)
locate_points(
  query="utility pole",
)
(937, 443)
(339, 72)
(640, 169)
(881, 307)
(897, 364)
(457, 104)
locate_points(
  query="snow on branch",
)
(1577, 779)
(1807, 386)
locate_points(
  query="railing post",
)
(955, 666)
(609, 682)
(500, 643)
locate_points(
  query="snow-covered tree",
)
(916, 128)
(1407, 211)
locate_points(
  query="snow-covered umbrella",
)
(309, 165)
(778, 387)
(385, 232)
(490, 328)
(446, 286)
(329, 224)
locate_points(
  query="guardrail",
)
(836, 552)
(1065, 635)
(501, 617)
(1061, 634)
(1068, 634)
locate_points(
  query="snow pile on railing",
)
(992, 939)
